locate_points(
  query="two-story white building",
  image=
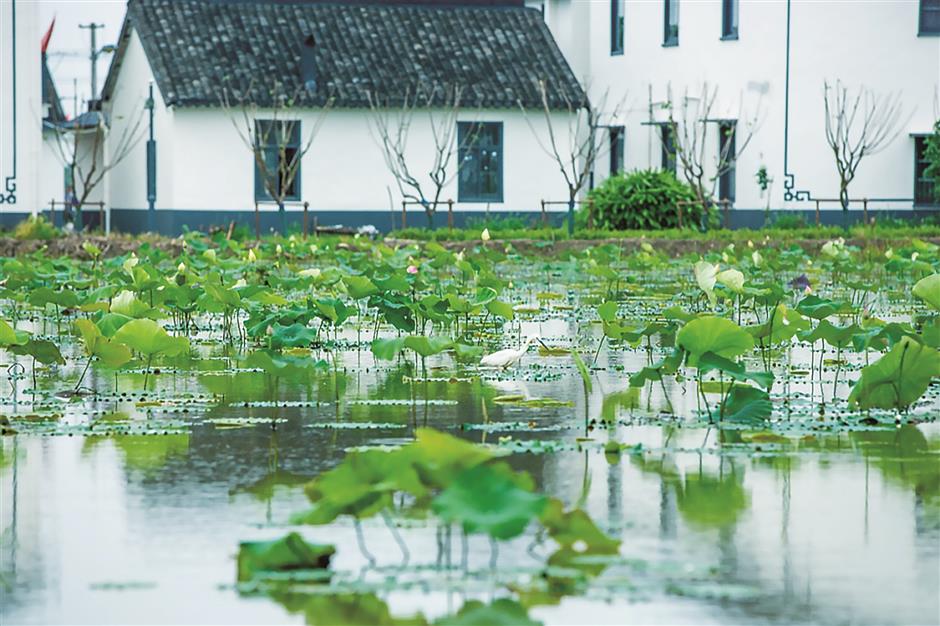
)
(766, 60)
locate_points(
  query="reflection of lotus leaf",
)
(905, 457)
(287, 554)
(711, 502)
(147, 453)
(350, 609)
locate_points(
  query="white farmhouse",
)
(30, 173)
(769, 60)
(200, 54)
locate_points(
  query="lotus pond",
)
(301, 432)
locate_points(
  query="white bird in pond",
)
(507, 357)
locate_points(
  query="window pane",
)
(923, 184)
(277, 143)
(616, 26)
(480, 162)
(930, 16)
(729, 18)
(671, 23)
(668, 148)
(616, 150)
(726, 156)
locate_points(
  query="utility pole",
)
(94, 57)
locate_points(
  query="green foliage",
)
(643, 199)
(928, 290)
(290, 553)
(713, 334)
(746, 404)
(933, 159)
(150, 339)
(898, 379)
(35, 227)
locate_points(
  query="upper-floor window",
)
(667, 138)
(616, 149)
(929, 17)
(277, 160)
(923, 185)
(480, 158)
(727, 151)
(616, 26)
(729, 19)
(671, 23)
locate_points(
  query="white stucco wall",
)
(20, 95)
(51, 172)
(128, 178)
(872, 43)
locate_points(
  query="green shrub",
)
(35, 227)
(642, 199)
(788, 221)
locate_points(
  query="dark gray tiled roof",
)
(496, 54)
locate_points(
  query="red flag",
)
(47, 36)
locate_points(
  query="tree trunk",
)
(844, 201)
(283, 217)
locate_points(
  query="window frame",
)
(923, 9)
(920, 182)
(617, 27)
(670, 34)
(261, 192)
(727, 181)
(730, 19)
(463, 146)
(617, 138)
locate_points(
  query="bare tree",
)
(392, 127)
(80, 147)
(574, 148)
(689, 123)
(857, 126)
(271, 130)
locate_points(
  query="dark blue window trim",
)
(668, 144)
(928, 23)
(616, 27)
(727, 146)
(480, 162)
(271, 156)
(923, 186)
(670, 23)
(729, 20)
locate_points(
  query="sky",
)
(70, 46)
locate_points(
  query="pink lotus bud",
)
(412, 269)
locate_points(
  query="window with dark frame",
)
(923, 184)
(729, 19)
(727, 149)
(668, 142)
(616, 27)
(277, 143)
(480, 159)
(616, 149)
(671, 23)
(929, 23)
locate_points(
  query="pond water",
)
(128, 507)
(717, 527)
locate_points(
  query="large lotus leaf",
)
(928, 290)
(655, 372)
(286, 366)
(287, 554)
(732, 279)
(820, 308)
(710, 361)
(465, 353)
(711, 502)
(835, 336)
(11, 337)
(111, 353)
(360, 287)
(931, 333)
(746, 404)
(713, 334)
(149, 338)
(607, 311)
(41, 296)
(439, 458)
(568, 528)
(387, 349)
(333, 310)
(898, 379)
(879, 335)
(501, 309)
(488, 499)
(427, 346)
(293, 336)
(110, 323)
(361, 485)
(43, 351)
(502, 612)
(780, 327)
(126, 303)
